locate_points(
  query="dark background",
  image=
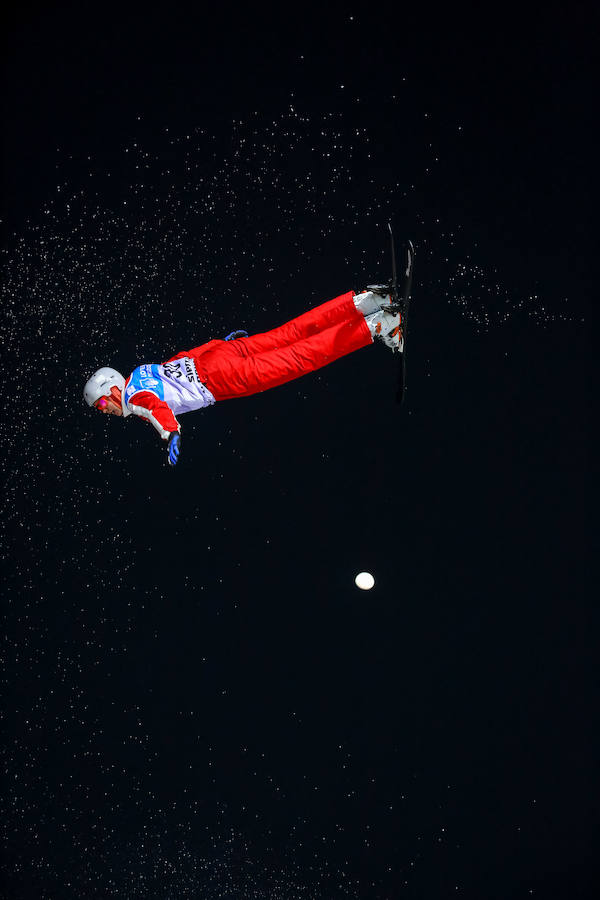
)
(199, 702)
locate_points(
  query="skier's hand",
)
(174, 446)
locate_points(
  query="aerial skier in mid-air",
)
(239, 365)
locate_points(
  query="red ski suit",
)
(238, 368)
(249, 365)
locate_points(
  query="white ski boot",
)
(373, 299)
(387, 326)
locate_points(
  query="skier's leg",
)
(228, 375)
(340, 309)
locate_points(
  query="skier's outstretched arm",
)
(154, 410)
(159, 413)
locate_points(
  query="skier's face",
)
(108, 406)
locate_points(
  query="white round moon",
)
(364, 581)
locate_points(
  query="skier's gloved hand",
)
(174, 446)
(235, 335)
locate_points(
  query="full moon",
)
(364, 581)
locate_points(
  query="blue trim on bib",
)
(146, 378)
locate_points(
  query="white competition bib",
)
(176, 383)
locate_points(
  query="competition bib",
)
(181, 370)
(175, 382)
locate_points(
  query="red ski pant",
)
(249, 365)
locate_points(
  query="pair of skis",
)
(401, 303)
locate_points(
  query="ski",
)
(401, 303)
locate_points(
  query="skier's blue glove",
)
(174, 447)
(236, 334)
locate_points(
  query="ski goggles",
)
(101, 403)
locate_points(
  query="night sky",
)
(198, 701)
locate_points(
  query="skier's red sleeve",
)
(159, 413)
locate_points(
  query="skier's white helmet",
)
(100, 383)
